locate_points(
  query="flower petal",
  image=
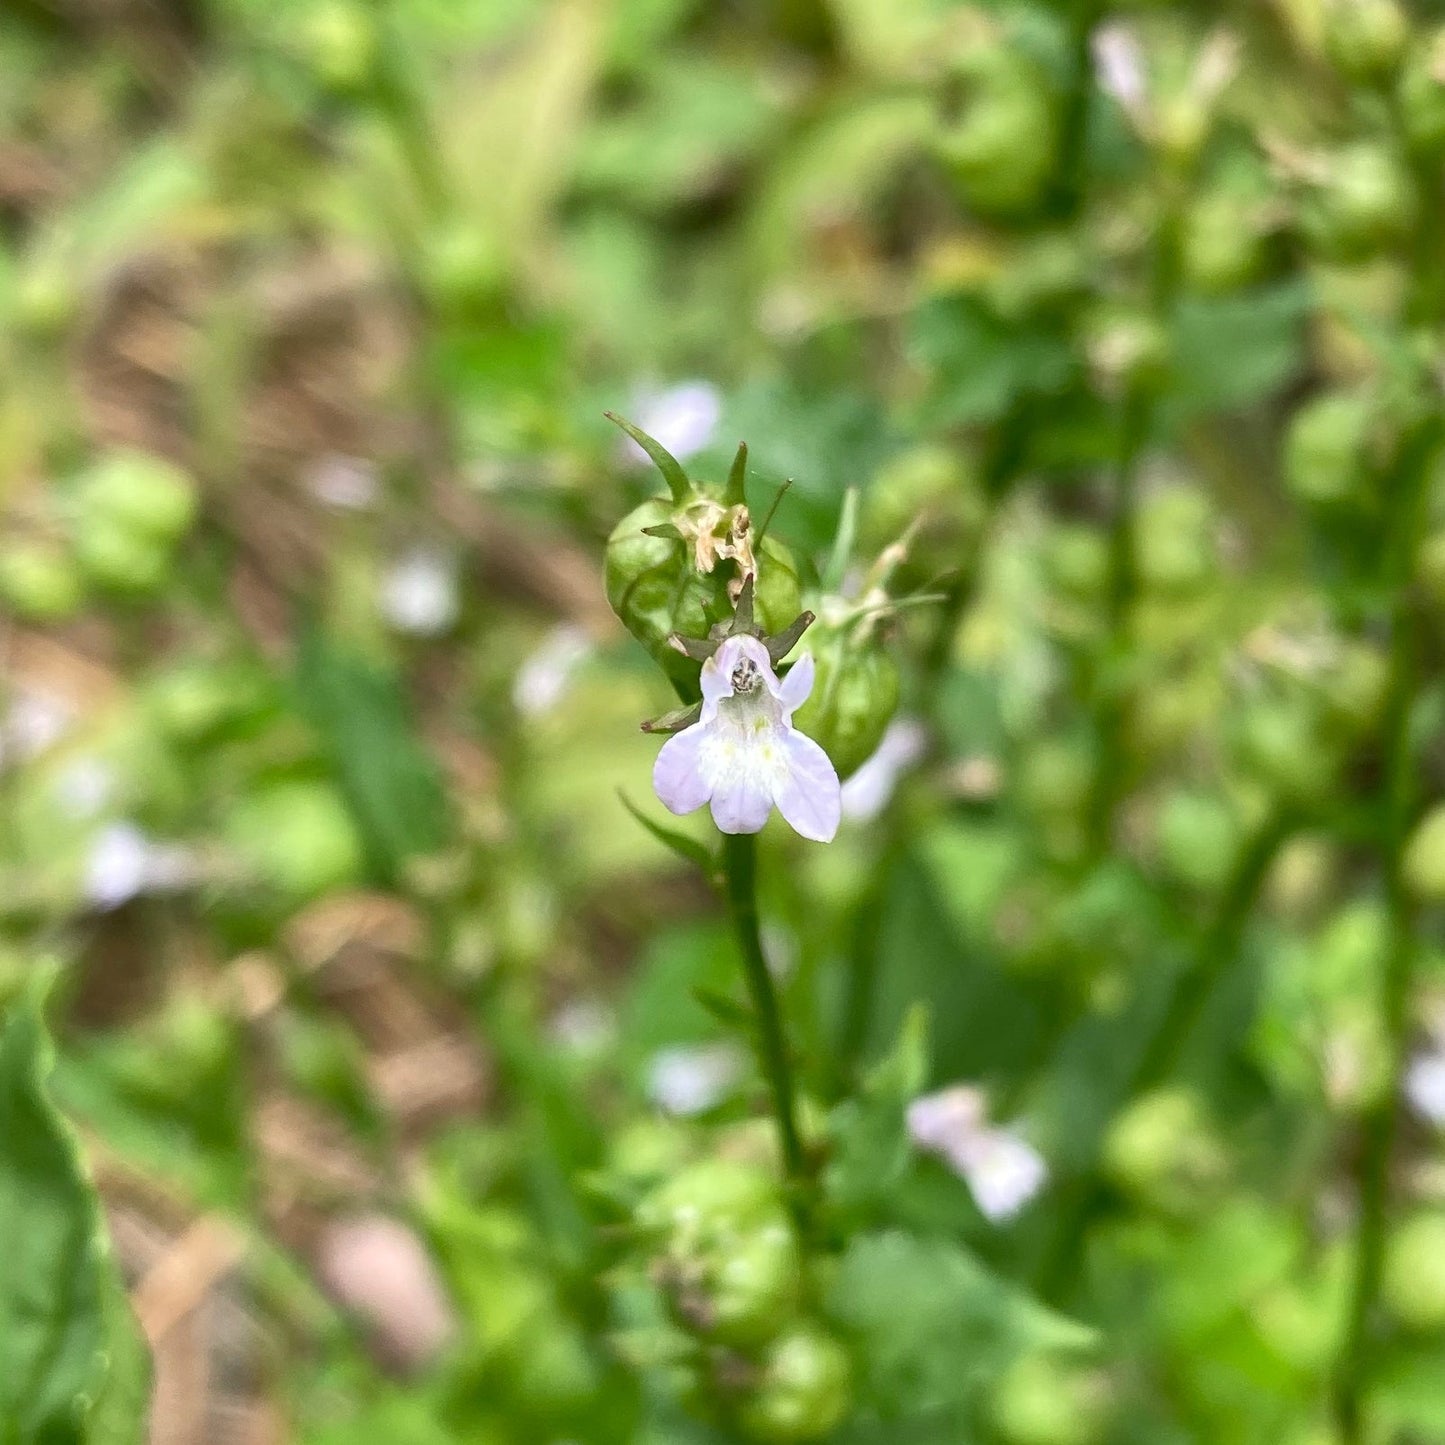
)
(808, 795)
(740, 802)
(677, 775)
(794, 689)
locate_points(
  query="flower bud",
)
(1365, 38)
(1424, 861)
(1362, 203)
(805, 1390)
(1421, 95)
(1413, 1283)
(999, 133)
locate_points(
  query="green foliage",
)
(74, 1367)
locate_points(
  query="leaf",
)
(72, 1367)
(871, 1147)
(686, 848)
(934, 1328)
(391, 784)
(732, 1015)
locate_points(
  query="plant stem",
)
(1381, 1124)
(740, 869)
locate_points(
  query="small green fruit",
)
(1199, 839)
(1364, 203)
(121, 561)
(854, 697)
(137, 493)
(1041, 1401)
(1365, 38)
(1327, 451)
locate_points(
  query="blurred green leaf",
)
(72, 1369)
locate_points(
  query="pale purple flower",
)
(744, 755)
(1003, 1171)
(347, 483)
(867, 792)
(693, 1078)
(35, 721)
(1119, 65)
(543, 679)
(419, 594)
(683, 418)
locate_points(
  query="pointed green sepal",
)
(697, 648)
(736, 494)
(668, 531)
(662, 459)
(781, 645)
(743, 613)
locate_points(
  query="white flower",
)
(867, 792)
(1119, 66)
(1425, 1085)
(419, 594)
(85, 787)
(124, 863)
(542, 680)
(691, 1079)
(683, 418)
(1002, 1170)
(744, 755)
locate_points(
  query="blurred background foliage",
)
(400, 1056)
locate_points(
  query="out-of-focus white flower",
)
(543, 679)
(84, 787)
(35, 721)
(693, 1078)
(867, 792)
(1119, 66)
(347, 483)
(744, 756)
(1425, 1084)
(1002, 1170)
(420, 595)
(124, 863)
(683, 418)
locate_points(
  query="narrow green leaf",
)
(662, 459)
(72, 1366)
(687, 848)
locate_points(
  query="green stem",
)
(1382, 1123)
(740, 870)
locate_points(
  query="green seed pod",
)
(805, 1390)
(1365, 38)
(740, 1288)
(1413, 1284)
(1363, 203)
(854, 697)
(705, 1200)
(1421, 95)
(671, 562)
(999, 131)
(297, 836)
(137, 493)
(1327, 452)
(1043, 1401)
(1425, 857)
(39, 584)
